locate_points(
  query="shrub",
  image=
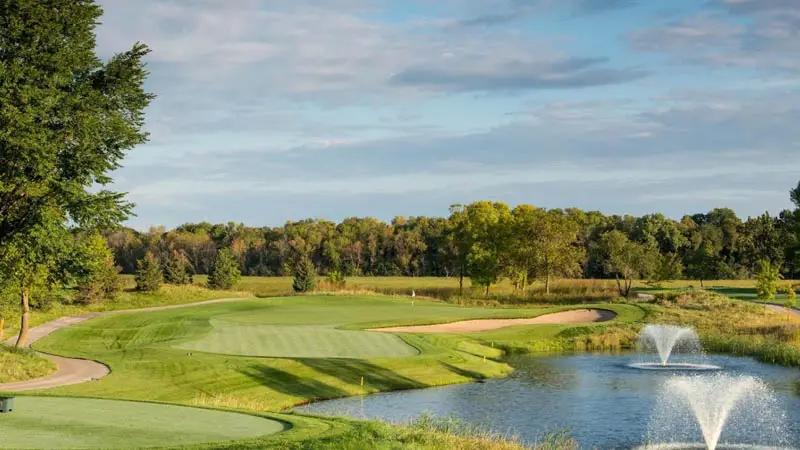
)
(148, 274)
(336, 279)
(225, 271)
(176, 270)
(767, 280)
(305, 276)
(96, 274)
(791, 297)
(105, 284)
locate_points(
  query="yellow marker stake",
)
(362, 382)
(484, 358)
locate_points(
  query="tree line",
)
(489, 241)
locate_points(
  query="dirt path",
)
(75, 370)
(781, 310)
(466, 326)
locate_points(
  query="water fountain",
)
(665, 340)
(695, 412)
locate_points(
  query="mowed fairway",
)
(309, 327)
(274, 353)
(236, 338)
(55, 423)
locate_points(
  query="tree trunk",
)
(487, 291)
(619, 288)
(701, 284)
(461, 281)
(547, 285)
(22, 339)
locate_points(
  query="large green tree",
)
(488, 225)
(67, 118)
(626, 260)
(32, 263)
(557, 251)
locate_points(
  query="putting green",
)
(297, 341)
(56, 423)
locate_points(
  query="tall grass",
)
(19, 364)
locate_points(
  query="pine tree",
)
(148, 275)
(224, 272)
(175, 271)
(305, 276)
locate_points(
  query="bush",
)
(96, 275)
(148, 275)
(336, 279)
(305, 276)
(176, 270)
(224, 272)
(767, 280)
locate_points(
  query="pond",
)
(598, 399)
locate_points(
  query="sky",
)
(275, 110)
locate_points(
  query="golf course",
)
(217, 374)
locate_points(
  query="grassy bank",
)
(730, 326)
(22, 364)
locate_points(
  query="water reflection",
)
(602, 402)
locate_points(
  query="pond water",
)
(597, 399)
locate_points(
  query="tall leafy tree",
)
(488, 228)
(557, 251)
(460, 241)
(626, 260)
(93, 268)
(67, 118)
(32, 262)
(767, 280)
(794, 196)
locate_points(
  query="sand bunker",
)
(466, 326)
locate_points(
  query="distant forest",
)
(489, 241)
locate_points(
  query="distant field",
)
(446, 287)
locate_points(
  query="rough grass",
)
(731, 326)
(22, 364)
(70, 423)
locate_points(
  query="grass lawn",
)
(147, 364)
(54, 423)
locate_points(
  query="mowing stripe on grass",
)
(56, 423)
(297, 341)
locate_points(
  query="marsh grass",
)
(733, 326)
(20, 364)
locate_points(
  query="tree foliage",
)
(176, 270)
(305, 276)
(67, 117)
(225, 271)
(626, 260)
(767, 280)
(95, 273)
(148, 274)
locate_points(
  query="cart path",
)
(782, 310)
(75, 370)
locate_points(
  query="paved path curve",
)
(75, 370)
(782, 310)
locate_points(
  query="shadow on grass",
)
(290, 384)
(464, 372)
(351, 370)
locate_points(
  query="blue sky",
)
(270, 110)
